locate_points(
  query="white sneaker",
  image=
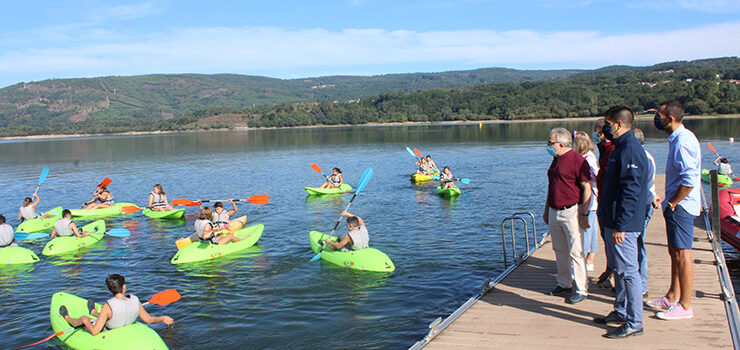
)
(589, 267)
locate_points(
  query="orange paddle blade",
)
(105, 182)
(182, 201)
(129, 209)
(259, 199)
(711, 148)
(418, 153)
(45, 339)
(317, 169)
(165, 298)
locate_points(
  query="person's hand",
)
(199, 202)
(35, 196)
(656, 203)
(583, 221)
(618, 237)
(544, 218)
(168, 320)
(231, 200)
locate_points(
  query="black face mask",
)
(658, 123)
(607, 132)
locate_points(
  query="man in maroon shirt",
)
(568, 195)
(605, 150)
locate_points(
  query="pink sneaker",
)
(675, 312)
(661, 304)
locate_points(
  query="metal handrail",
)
(712, 227)
(439, 324)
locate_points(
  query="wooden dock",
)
(518, 314)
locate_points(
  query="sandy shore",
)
(246, 128)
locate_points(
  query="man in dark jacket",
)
(622, 212)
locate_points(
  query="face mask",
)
(596, 137)
(658, 123)
(551, 151)
(607, 131)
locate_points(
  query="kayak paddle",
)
(106, 181)
(129, 209)
(258, 199)
(317, 169)
(162, 298)
(418, 153)
(119, 232)
(412, 153)
(42, 178)
(360, 186)
(19, 236)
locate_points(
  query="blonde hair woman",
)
(582, 144)
(158, 199)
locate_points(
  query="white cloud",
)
(293, 53)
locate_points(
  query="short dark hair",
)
(337, 170)
(115, 283)
(724, 160)
(27, 201)
(353, 221)
(217, 205)
(674, 108)
(2, 219)
(620, 113)
(66, 212)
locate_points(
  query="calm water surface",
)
(271, 296)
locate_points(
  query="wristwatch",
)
(670, 205)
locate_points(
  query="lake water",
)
(271, 296)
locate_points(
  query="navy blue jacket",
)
(624, 194)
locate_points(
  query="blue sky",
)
(290, 39)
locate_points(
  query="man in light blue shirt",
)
(680, 209)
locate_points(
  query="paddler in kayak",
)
(432, 166)
(723, 167)
(28, 210)
(356, 238)
(219, 216)
(7, 235)
(65, 227)
(158, 199)
(423, 167)
(335, 180)
(446, 180)
(119, 311)
(205, 230)
(101, 195)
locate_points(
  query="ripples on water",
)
(271, 296)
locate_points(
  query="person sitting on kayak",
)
(65, 227)
(7, 235)
(335, 180)
(356, 238)
(432, 165)
(28, 210)
(158, 199)
(102, 195)
(446, 180)
(423, 167)
(119, 311)
(723, 167)
(220, 217)
(206, 231)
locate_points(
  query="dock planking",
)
(518, 313)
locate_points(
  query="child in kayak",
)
(423, 167)
(446, 180)
(205, 230)
(158, 199)
(219, 216)
(102, 195)
(356, 238)
(119, 311)
(65, 227)
(335, 180)
(7, 235)
(28, 210)
(432, 166)
(723, 167)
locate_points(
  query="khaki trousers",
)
(567, 243)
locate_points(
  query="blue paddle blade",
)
(316, 257)
(434, 177)
(119, 232)
(465, 180)
(364, 180)
(19, 236)
(411, 152)
(44, 173)
(37, 235)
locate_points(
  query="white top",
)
(724, 169)
(61, 227)
(28, 212)
(6, 235)
(124, 312)
(594, 164)
(360, 238)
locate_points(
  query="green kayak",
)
(723, 181)
(38, 225)
(201, 251)
(110, 211)
(315, 191)
(17, 255)
(169, 214)
(369, 259)
(133, 336)
(447, 192)
(62, 245)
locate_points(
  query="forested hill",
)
(64, 103)
(180, 102)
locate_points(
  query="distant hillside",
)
(181, 102)
(63, 103)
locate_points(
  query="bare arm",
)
(338, 245)
(20, 216)
(585, 204)
(347, 214)
(153, 319)
(73, 227)
(38, 200)
(149, 204)
(682, 192)
(105, 315)
(232, 212)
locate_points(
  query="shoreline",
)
(246, 128)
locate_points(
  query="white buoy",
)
(732, 139)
